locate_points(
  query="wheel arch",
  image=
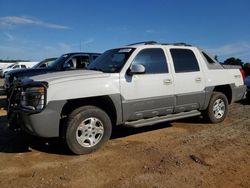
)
(111, 104)
(226, 90)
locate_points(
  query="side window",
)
(71, 63)
(184, 60)
(153, 60)
(83, 62)
(209, 59)
(16, 67)
(23, 66)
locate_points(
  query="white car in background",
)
(19, 65)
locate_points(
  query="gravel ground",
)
(185, 153)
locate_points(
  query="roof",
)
(89, 53)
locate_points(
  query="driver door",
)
(150, 94)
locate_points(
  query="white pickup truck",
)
(135, 85)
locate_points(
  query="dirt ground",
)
(186, 153)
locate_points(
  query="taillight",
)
(242, 74)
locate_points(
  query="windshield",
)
(111, 61)
(10, 66)
(58, 62)
(44, 64)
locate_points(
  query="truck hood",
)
(65, 76)
(28, 72)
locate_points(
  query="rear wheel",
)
(88, 128)
(217, 108)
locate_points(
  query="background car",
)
(247, 83)
(15, 66)
(69, 61)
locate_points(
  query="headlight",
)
(33, 98)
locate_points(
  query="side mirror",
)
(137, 69)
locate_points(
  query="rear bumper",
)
(238, 93)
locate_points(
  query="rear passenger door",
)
(188, 80)
(151, 93)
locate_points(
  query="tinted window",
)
(23, 66)
(184, 60)
(209, 59)
(153, 60)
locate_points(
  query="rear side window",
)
(153, 60)
(184, 60)
(209, 59)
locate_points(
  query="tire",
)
(218, 108)
(87, 129)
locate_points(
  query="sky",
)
(38, 29)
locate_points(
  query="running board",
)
(160, 119)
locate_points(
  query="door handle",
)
(167, 81)
(198, 79)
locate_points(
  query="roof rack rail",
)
(144, 42)
(177, 44)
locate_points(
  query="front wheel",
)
(217, 108)
(88, 128)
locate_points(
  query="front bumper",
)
(43, 124)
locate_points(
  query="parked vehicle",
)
(69, 61)
(136, 85)
(4, 65)
(3, 70)
(19, 65)
(247, 83)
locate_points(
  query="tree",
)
(246, 69)
(233, 61)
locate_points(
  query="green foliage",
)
(237, 61)
(233, 61)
